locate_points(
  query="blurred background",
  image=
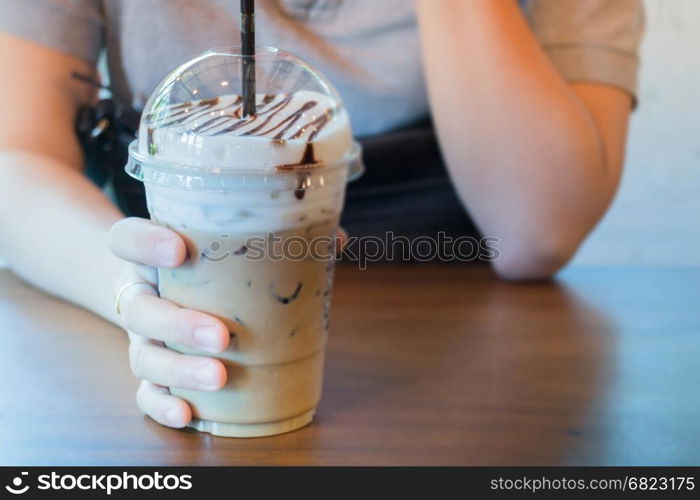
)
(655, 219)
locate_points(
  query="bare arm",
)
(55, 226)
(53, 221)
(535, 160)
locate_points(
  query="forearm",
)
(53, 227)
(522, 149)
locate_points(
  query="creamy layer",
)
(286, 203)
(304, 128)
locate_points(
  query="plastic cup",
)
(260, 229)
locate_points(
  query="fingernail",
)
(166, 251)
(207, 337)
(174, 417)
(205, 375)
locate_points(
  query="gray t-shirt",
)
(368, 48)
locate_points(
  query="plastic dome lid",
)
(194, 120)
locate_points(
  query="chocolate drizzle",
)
(293, 118)
(185, 115)
(249, 120)
(224, 115)
(241, 251)
(317, 124)
(174, 107)
(275, 109)
(285, 300)
(308, 159)
(217, 120)
(300, 191)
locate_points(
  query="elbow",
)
(533, 260)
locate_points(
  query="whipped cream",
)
(285, 147)
(305, 128)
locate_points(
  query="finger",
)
(143, 242)
(139, 272)
(168, 368)
(157, 403)
(135, 279)
(149, 316)
(138, 339)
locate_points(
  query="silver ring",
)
(123, 289)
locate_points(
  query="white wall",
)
(655, 219)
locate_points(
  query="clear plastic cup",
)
(258, 205)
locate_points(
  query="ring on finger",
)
(124, 288)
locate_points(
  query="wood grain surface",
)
(426, 366)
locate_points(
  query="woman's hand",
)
(151, 321)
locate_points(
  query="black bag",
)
(105, 132)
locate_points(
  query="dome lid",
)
(195, 118)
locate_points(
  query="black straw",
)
(248, 52)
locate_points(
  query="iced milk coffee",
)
(257, 200)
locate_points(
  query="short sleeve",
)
(591, 40)
(75, 27)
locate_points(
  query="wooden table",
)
(427, 365)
